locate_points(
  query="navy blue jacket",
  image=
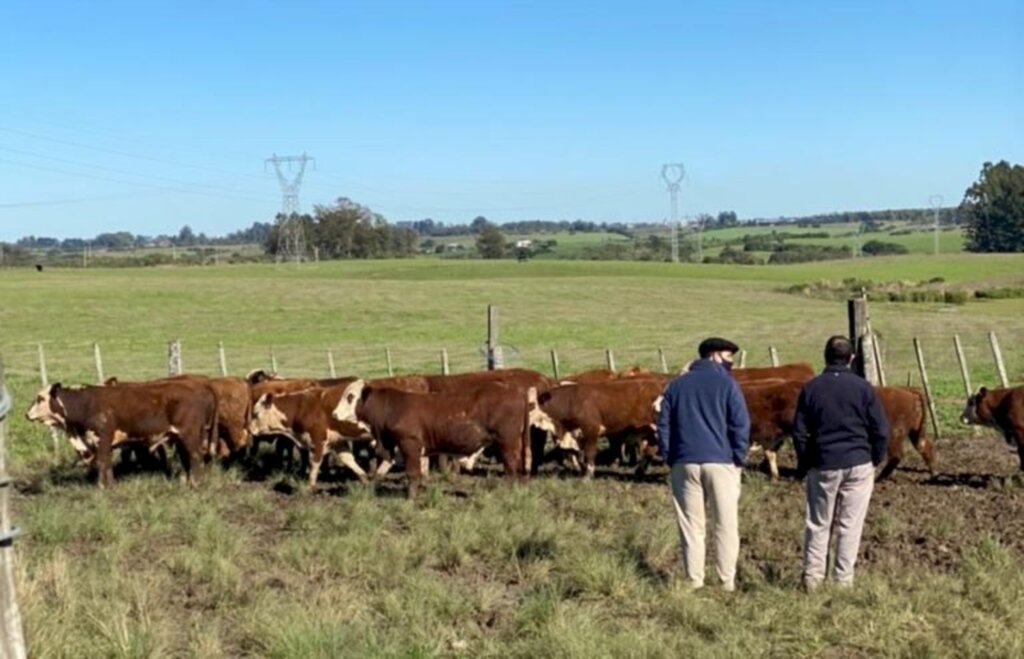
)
(839, 422)
(704, 418)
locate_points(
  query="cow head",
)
(47, 407)
(267, 418)
(347, 409)
(977, 411)
(538, 418)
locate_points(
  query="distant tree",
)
(490, 242)
(185, 237)
(993, 209)
(879, 248)
(478, 224)
(726, 219)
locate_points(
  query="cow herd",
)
(517, 416)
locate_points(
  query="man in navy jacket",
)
(840, 434)
(703, 432)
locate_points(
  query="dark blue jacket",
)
(704, 418)
(839, 422)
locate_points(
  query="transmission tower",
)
(291, 240)
(672, 174)
(935, 201)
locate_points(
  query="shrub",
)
(879, 248)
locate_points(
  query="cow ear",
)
(982, 392)
(55, 389)
(544, 397)
(364, 395)
(111, 381)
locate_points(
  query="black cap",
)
(716, 344)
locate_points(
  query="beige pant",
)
(842, 494)
(720, 483)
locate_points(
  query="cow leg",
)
(589, 456)
(444, 465)
(316, 459)
(772, 457)
(412, 453)
(104, 461)
(890, 466)
(192, 457)
(1020, 452)
(348, 459)
(538, 440)
(926, 448)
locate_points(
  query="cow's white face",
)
(538, 418)
(657, 405)
(346, 409)
(267, 418)
(44, 411)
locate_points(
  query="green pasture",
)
(554, 568)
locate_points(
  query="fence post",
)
(223, 359)
(664, 362)
(387, 358)
(997, 354)
(743, 359)
(44, 382)
(494, 356)
(876, 346)
(773, 354)
(870, 350)
(330, 364)
(444, 362)
(174, 358)
(609, 357)
(554, 363)
(273, 361)
(857, 315)
(12, 642)
(927, 388)
(98, 358)
(965, 373)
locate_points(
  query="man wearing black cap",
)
(840, 434)
(703, 432)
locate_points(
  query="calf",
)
(1002, 409)
(906, 410)
(419, 425)
(105, 417)
(798, 372)
(604, 375)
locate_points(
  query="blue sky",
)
(145, 116)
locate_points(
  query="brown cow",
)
(233, 409)
(104, 417)
(582, 413)
(798, 372)
(603, 375)
(906, 409)
(305, 418)
(420, 425)
(1002, 409)
(521, 378)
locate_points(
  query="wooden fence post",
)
(44, 382)
(664, 362)
(554, 363)
(444, 362)
(773, 354)
(330, 364)
(927, 388)
(743, 359)
(223, 358)
(609, 358)
(965, 374)
(174, 358)
(273, 361)
(876, 346)
(997, 354)
(857, 315)
(387, 358)
(98, 359)
(494, 356)
(12, 640)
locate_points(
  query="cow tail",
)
(212, 436)
(531, 399)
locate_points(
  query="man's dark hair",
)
(838, 351)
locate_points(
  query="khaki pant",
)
(720, 483)
(842, 494)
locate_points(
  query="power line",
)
(291, 239)
(672, 174)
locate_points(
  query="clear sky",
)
(148, 115)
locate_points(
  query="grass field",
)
(249, 565)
